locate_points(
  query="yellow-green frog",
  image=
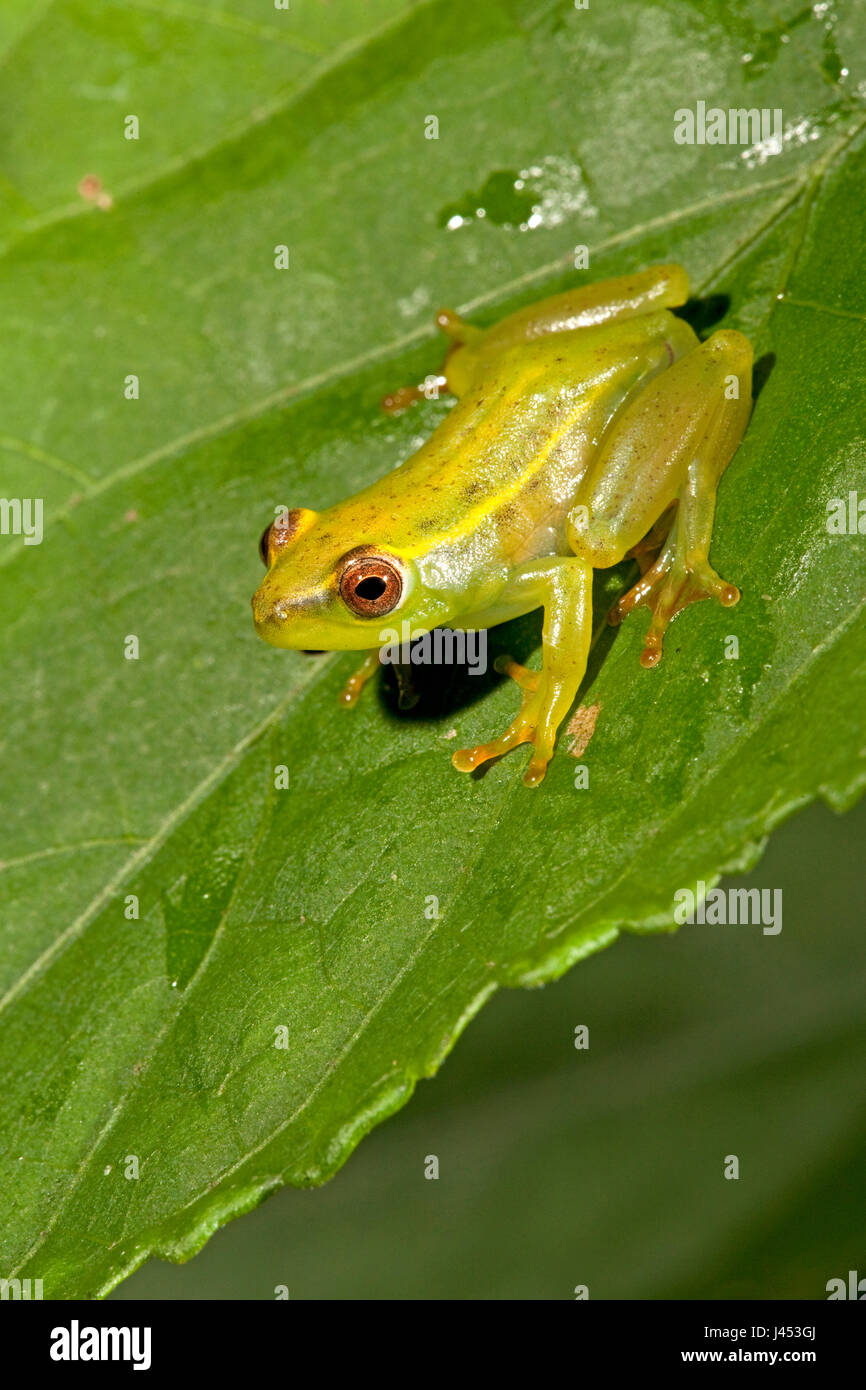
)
(588, 427)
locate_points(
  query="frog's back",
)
(510, 455)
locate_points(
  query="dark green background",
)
(560, 1167)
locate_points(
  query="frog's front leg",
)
(356, 682)
(563, 587)
(685, 427)
(407, 695)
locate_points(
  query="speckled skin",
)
(580, 422)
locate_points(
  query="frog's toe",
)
(449, 322)
(647, 551)
(638, 594)
(527, 680)
(534, 774)
(351, 692)
(427, 390)
(356, 682)
(467, 759)
(401, 399)
(520, 730)
(530, 726)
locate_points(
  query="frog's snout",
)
(288, 619)
(270, 613)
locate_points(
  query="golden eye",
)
(371, 585)
(264, 544)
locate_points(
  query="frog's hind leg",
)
(647, 551)
(650, 575)
(473, 350)
(682, 573)
(587, 306)
(670, 585)
(460, 333)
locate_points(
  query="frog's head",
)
(320, 594)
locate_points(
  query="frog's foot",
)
(454, 327)
(667, 587)
(534, 724)
(530, 726)
(356, 682)
(459, 332)
(460, 335)
(563, 587)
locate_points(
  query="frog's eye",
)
(284, 529)
(371, 586)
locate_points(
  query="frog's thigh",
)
(714, 384)
(625, 297)
(681, 415)
(606, 301)
(564, 588)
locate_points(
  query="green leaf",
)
(605, 1166)
(153, 1038)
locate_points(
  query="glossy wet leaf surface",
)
(309, 909)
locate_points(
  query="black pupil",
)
(263, 544)
(371, 588)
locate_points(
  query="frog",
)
(588, 428)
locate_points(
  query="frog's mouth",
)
(302, 623)
(277, 617)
